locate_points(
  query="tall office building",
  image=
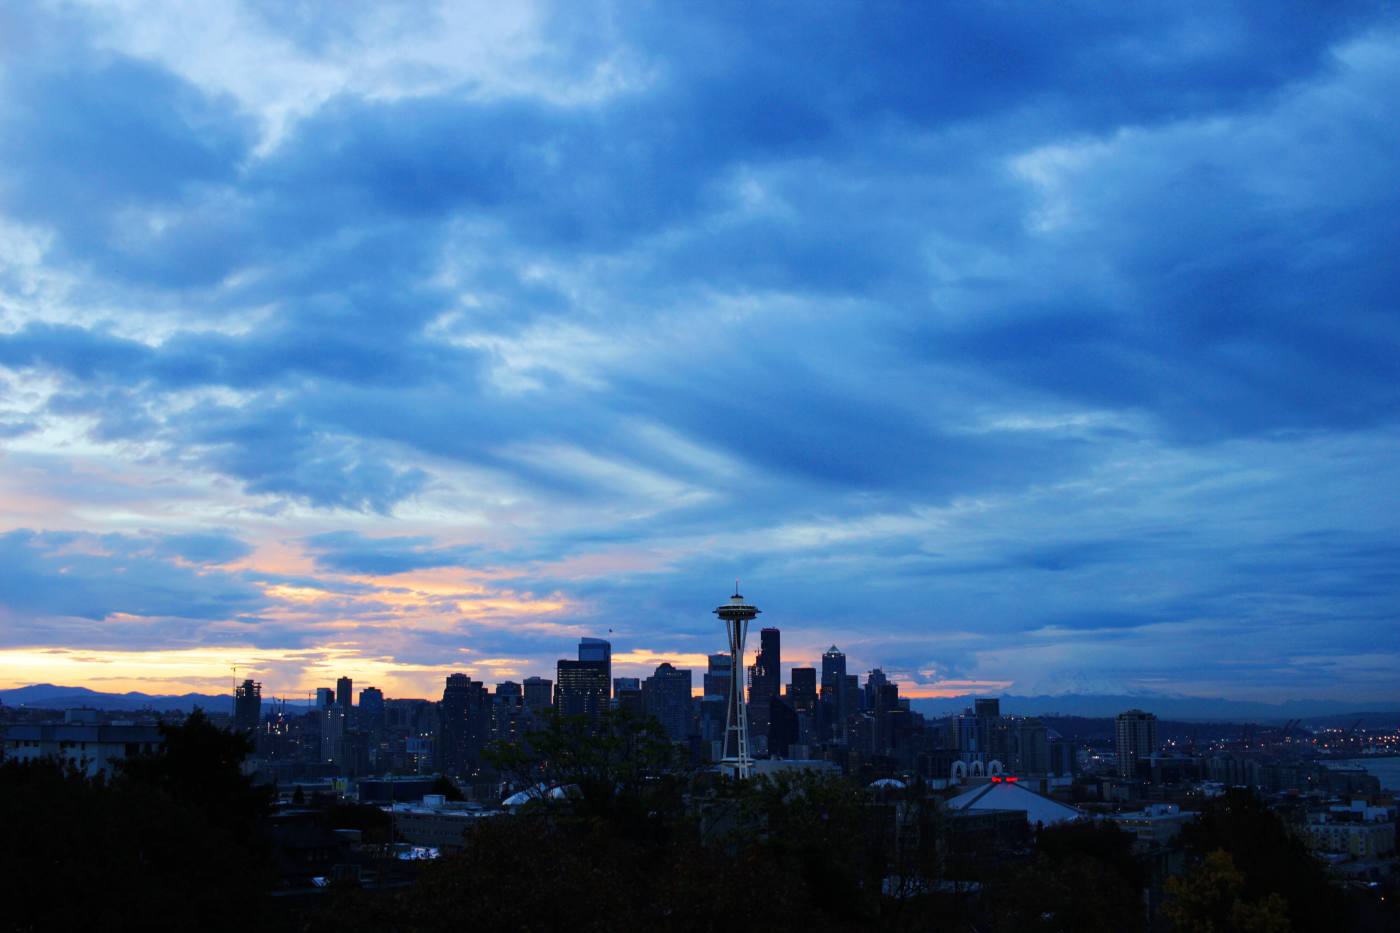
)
(464, 724)
(874, 680)
(666, 696)
(599, 651)
(539, 693)
(626, 683)
(581, 689)
(343, 693)
(834, 709)
(372, 712)
(247, 706)
(716, 681)
(1136, 733)
(767, 671)
(325, 697)
(802, 692)
(987, 708)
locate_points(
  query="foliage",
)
(1268, 858)
(88, 853)
(199, 765)
(1209, 899)
(623, 768)
(1083, 877)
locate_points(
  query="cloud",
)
(963, 358)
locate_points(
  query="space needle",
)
(736, 616)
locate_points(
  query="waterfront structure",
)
(1136, 734)
(736, 616)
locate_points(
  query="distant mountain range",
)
(1165, 706)
(1317, 712)
(49, 696)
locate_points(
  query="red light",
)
(996, 780)
(1012, 780)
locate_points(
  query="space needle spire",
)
(736, 616)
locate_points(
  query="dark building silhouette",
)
(802, 691)
(874, 681)
(716, 680)
(247, 706)
(463, 724)
(666, 695)
(581, 689)
(600, 651)
(987, 708)
(834, 709)
(1136, 734)
(539, 693)
(343, 693)
(325, 697)
(372, 711)
(782, 727)
(765, 676)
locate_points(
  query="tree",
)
(1268, 858)
(1209, 899)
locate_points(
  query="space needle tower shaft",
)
(736, 616)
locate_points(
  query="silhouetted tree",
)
(1268, 858)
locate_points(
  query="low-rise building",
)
(94, 747)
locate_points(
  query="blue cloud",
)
(970, 323)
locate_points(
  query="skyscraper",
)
(874, 680)
(372, 712)
(1136, 734)
(666, 696)
(247, 706)
(802, 692)
(716, 682)
(598, 650)
(835, 711)
(325, 697)
(343, 695)
(766, 674)
(581, 689)
(464, 724)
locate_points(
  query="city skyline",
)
(394, 343)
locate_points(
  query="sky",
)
(1026, 348)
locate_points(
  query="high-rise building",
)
(372, 712)
(626, 683)
(581, 689)
(598, 650)
(716, 681)
(1136, 733)
(343, 693)
(666, 696)
(539, 693)
(802, 692)
(874, 680)
(247, 706)
(835, 712)
(767, 671)
(987, 708)
(508, 714)
(325, 697)
(464, 724)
